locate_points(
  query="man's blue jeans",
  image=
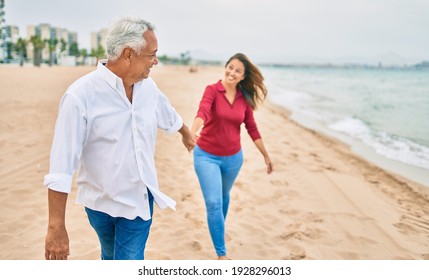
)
(217, 175)
(120, 238)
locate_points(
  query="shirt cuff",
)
(175, 127)
(59, 182)
(162, 200)
(201, 115)
(255, 135)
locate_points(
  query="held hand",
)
(189, 141)
(188, 138)
(57, 244)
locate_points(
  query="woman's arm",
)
(197, 125)
(260, 145)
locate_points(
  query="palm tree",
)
(74, 49)
(9, 50)
(52, 46)
(63, 44)
(83, 54)
(21, 49)
(38, 45)
(99, 53)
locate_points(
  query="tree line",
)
(20, 48)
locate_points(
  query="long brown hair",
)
(252, 85)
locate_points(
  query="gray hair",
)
(126, 32)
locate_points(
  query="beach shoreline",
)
(364, 108)
(416, 174)
(400, 171)
(323, 201)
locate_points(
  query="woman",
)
(218, 157)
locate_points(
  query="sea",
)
(381, 113)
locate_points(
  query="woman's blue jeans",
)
(121, 238)
(216, 175)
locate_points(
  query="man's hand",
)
(189, 139)
(57, 240)
(57, 244)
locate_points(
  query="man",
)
(106, 128)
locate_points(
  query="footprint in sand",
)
(196, 246)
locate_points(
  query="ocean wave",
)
(390, 146)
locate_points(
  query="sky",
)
(269, 31)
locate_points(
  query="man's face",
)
(141, 63)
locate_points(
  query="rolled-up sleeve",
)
(69, 135)
(168, 119)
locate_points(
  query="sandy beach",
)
(322, 202)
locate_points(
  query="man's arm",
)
(57, 241)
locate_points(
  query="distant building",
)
(98, 39)
(12, 33)
(9, 35)
(31, 31)
(66, 41)
(422, 65)
(3, 47)
(60, 33)
(72, 38)
(47, 32)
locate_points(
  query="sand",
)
(322, 202)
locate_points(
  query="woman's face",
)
(234, 72)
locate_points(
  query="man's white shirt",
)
(111, 142)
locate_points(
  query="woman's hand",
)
(269, 164)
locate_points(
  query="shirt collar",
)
(110, 77)
(222, 90)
